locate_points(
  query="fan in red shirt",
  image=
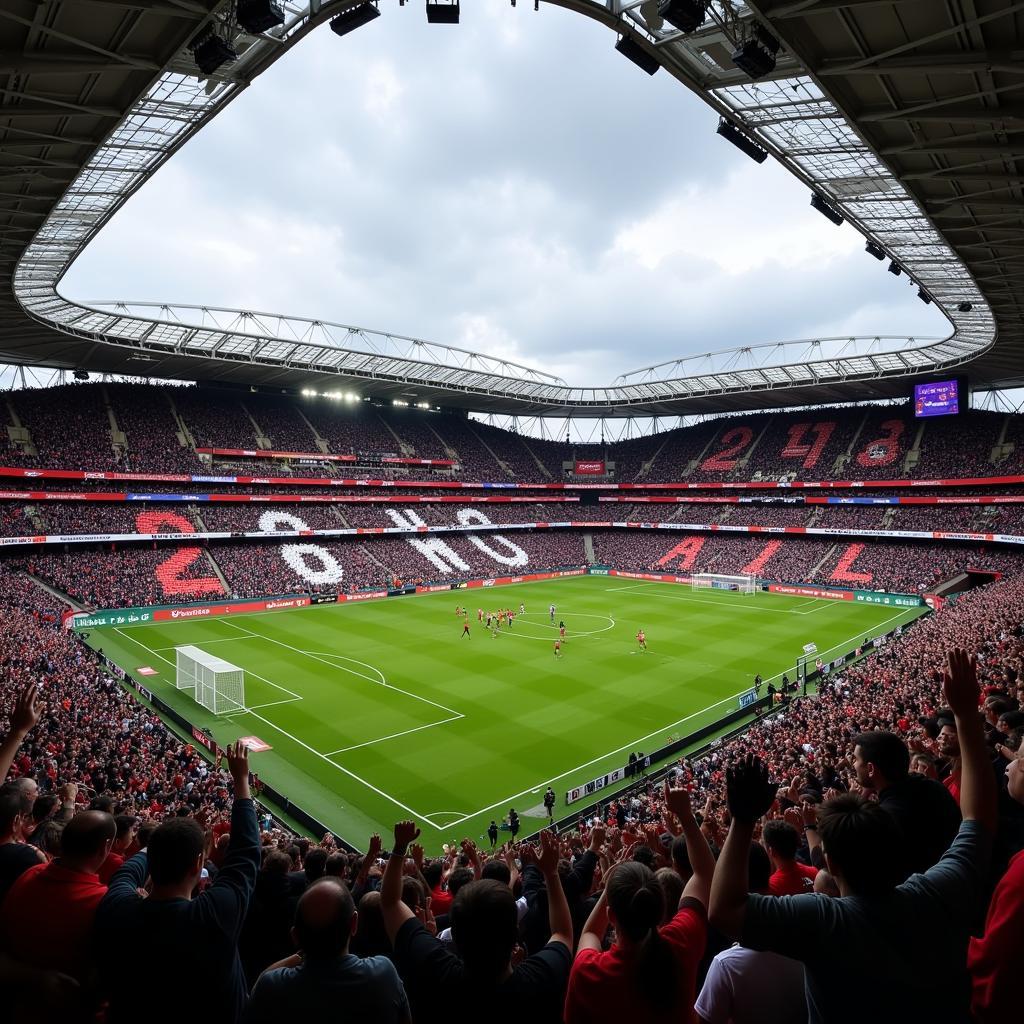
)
(47, 918)
(790, 877)
(650, 973)
(995, 960)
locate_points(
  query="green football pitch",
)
(382, 710)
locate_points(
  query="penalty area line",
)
(394, 735)
(316, 753)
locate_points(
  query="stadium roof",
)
(900, 113)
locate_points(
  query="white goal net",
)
(716, 581)
(216, 684)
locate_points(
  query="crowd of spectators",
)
(143, 413)
(142, 575)
(873, 818)
(281, 423)
(68, 517)
(215, 420)
(71, 426)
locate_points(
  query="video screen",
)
(941, 398)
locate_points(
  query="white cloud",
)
(510, 183)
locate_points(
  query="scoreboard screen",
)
(938, 398)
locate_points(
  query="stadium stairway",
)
(58, 595)
(824, 558)
(491, 451)
(588, 548)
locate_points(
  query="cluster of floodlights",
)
(212, 50)
(438, 13)
(756, 55)
(875, 250)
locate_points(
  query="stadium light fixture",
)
(964, 307)
(632, 50)
(826, 209)
(875, 250)
(894, 268)
(211, 52)
(685, 15)
(924, 296)
(354, 18)
(728, 130)
(756, 55)
(442, 13)
(259, 16)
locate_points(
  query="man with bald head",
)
(325, 980)
(46, 920)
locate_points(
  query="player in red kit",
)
(641, 639)
(558, 648)
(465, 627)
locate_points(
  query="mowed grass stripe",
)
(528, 718)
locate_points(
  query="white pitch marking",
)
(390, 686)
(394, 735)
(306, 746)
(634, 743)
(154, 650)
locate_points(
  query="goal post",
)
(214, 683)
(743, 584)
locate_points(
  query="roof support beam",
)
(1009, 62)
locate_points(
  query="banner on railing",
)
(249, 453)
(756, 485)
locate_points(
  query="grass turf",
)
(382, 710)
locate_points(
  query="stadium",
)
(347, 671)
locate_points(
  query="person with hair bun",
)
(649, 973)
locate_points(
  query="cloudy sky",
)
(511, 185)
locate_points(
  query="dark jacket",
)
(191, 944)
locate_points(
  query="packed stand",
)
(215, 419)
(281, 423)
(69, 427)
(144, 415)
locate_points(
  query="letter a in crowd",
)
(686, 551)
(756, 565)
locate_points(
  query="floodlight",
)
(729, 131)
(354, 18)
(964, 307)
(80, 375)
(632, 50)
(211, 52)
(923, 296)
(258, 16)
(894, 268)
(442, 13)
(875, 250)
(685, 15)
(824, 207)
(756, 55)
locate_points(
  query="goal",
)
(716, 581)
(216, 684)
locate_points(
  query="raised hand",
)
(416, 852)
(960, 683)
(374, 847)
(406, 832)
(27, 709)
(678, 802)
(748, 790)
(597, 837)
(548, 859)
(238, 765)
